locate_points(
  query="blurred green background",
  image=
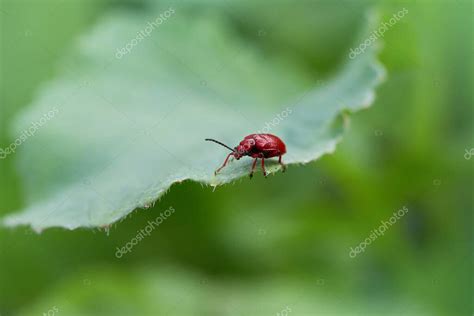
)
(279, 245)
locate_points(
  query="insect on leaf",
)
(132, 121)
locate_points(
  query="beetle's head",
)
(239, 152)
(244, 148)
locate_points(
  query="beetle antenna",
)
(218, 142)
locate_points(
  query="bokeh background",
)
(278, 246)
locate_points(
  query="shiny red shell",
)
(260, 146)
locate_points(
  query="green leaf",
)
(125, 129)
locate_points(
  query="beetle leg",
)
(283, 166)
(223, 165)
(253, 168)
(263, 167)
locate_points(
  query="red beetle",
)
(256, 146)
